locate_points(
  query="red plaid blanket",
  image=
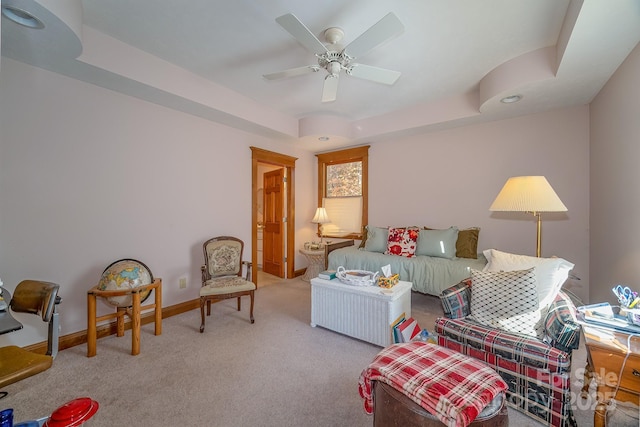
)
(453, 387)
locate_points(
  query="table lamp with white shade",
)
(321, 218)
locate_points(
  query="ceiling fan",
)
(334, 58)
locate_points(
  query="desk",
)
(316, 263)
(609, 353)
(7, 321)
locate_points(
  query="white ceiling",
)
(458, 58)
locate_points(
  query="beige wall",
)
(451, 177)
(88, 176)
(615, 182)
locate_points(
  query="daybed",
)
(428, 274)
(514, 317)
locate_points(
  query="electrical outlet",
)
(183, 282)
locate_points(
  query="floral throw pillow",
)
(403, 241)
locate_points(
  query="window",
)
(342, 191)
(344, 180)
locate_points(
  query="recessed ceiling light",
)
(22, 17)
(511, 99)
(323, 138)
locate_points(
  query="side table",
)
(614, 361)
(316, 263)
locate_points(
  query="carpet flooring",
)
(277, 372)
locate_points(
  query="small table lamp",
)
(531, 194)
(321, 217)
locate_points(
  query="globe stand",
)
(134, 312)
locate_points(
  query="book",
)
(395, 332)
(602, 315)
(327, 274)
(409, 329)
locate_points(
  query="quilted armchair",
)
(537, 371)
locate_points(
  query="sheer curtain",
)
(345, 214)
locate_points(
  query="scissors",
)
(626, 296)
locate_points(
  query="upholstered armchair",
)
(536, 370)
(222, 274)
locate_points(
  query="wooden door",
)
(273, 233)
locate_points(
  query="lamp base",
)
(538, 234)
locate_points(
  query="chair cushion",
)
(226, 285)
(35, 297)
(523, 350)
(17, 364)
(224, 257)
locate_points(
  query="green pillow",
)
(438, 243)
(467, 244)
(377, 238)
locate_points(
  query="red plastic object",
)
(73, 413)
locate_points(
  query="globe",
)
(125, 274)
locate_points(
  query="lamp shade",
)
(527, 194)
(321, 216)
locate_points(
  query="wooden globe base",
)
(133, 312)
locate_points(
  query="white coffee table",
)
(363, 312)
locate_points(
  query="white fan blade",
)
(375, 74)
(385, 29)
(292, 72)
(330, 88)
(301, 33)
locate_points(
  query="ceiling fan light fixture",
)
(334, 68)
(333, 58)
(511, 99)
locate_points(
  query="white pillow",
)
(506, 300)
(551, 273)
